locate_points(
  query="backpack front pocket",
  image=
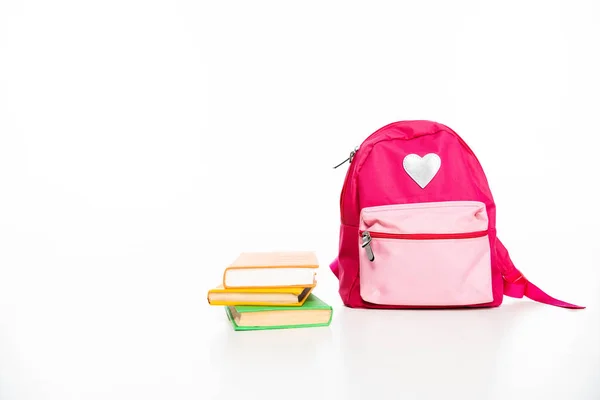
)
(425, 254)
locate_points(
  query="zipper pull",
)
(349, 159)
(366, 244)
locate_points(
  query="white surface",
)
(129, 129)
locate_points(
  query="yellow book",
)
(285, 296)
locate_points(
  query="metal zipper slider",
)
(366, 244)
(349, 159)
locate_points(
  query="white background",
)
(143, 144)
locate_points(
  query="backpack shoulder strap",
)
(335, 267)
(516, 285)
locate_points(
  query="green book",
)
(314, 312)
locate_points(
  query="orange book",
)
(272, 270)
(285, 296)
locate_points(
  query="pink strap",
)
(335, 268)
(516, 285)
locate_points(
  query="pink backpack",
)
(418, 226)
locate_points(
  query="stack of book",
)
(271, 290)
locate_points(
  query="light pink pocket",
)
(425, 254)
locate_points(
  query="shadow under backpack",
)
(418, 226)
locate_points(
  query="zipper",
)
(349, 174)
(349, 159)
(367, 238)
(366, 244)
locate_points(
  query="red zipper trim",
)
(427, 236)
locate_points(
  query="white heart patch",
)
(422, 170)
